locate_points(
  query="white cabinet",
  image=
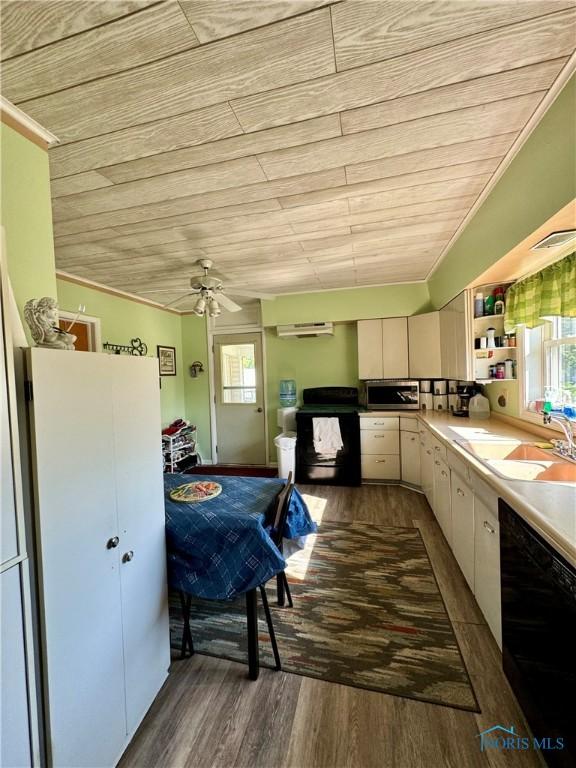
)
(454, 339)
(462, 505)
(410, 457)
(19, 738)
(487, 564)
(426, 464)
(441, 505)
(15, 730)
(100, 529)
(383, 348)
(424, 346)
(380, 447)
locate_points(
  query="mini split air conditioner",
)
(301, 330)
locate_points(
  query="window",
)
(549, 370)
(238, 373)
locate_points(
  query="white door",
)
(370, 348)
(462, 500)
(424, 346)
(240, 418)
(140, 494)
(395, 348)
(426, 465)
(487, 565)
(73, 451)
(442, 497)
(410, 454)
(14, 730)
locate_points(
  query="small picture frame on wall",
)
(166, 360)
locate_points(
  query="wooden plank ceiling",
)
(300, 144)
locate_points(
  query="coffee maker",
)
(464, 392)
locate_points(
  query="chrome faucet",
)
(566, 450)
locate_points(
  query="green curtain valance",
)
(551, 292)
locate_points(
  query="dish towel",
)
(327, 436)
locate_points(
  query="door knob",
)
(113, 542)
(127, 556)
(259, 410)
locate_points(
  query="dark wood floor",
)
(208, 715)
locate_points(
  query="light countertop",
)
(549, 507)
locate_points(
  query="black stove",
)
(343, 467)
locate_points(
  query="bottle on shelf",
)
(499, 305)
(491, 343)
(479, 305)
(489, 302)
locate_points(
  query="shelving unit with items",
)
(488, 359)
(179, 450)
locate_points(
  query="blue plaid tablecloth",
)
(220, 548)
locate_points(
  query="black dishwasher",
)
(539, 633)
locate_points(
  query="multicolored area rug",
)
(367, 613)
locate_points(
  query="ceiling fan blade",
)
(227, 303)
(164, 290)
(178, 300)
(250, 294)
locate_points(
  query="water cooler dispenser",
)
(285, 442)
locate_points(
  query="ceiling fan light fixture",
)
(200, 307)
(214, 308)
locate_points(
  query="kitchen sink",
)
(516, 460)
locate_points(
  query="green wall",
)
(539, 182)
(197, 391)
(26, 214)
(312, 362)
(122, 320)
(346, 305)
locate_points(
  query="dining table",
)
(221, 547)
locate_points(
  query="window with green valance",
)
(548, 293)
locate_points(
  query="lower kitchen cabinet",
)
(426, 465)
(487, 565)
(410, 457)
(462, 504)
(381, 467)
(380, 447)
(441, 504)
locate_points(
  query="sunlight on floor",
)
(299, 562)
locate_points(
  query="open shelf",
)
(490, 317)
(496, 349)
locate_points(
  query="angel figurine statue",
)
(42, 318)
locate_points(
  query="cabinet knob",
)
(460, 492)
(259, 410)
(443, 473)
(113, 542)
(437, 463)
(127, 556)
(412, 439)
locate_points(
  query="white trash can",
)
(286, 449)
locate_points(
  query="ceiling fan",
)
(210, 291)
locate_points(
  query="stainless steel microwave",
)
(390, 395)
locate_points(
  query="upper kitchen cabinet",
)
(383, 348)
(424, 346)
(454, 339)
